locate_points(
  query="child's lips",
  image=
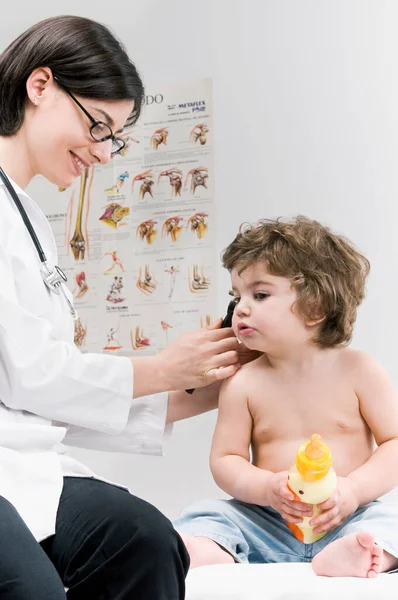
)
(244, 329)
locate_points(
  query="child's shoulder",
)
(356, 360)
(247, 374)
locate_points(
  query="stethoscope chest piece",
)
(53, 278)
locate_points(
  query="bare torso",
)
(287, 409)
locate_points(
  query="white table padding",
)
(283, 581)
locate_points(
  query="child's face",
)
(264, 318)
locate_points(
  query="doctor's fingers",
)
(224, 360)
(220, 373)
(215, 335)
(225, 345)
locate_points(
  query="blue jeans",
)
(258, 534)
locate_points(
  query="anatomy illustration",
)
(147, 182)
(199, 133)
(115, 189)
(199, 178)
(80, 334)
(129, 140)
(159, 137)
(172, 228)
(81, 285)
(112, 343)
(166, 326)
(205, 321)
(138, 340)
(146, 283)
(79, 243)
(115, 214)
(198, 282)
(116, 262)
(146, 231)
(115, 291)
(172, 272)
(198, 224)
(175, 179)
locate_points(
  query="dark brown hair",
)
(84, 55)
(326, 269)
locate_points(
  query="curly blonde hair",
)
(326, 269)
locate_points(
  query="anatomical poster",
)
(136, 236)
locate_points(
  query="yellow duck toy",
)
(312, 480)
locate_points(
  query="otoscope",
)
(227, 322)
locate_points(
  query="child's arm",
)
(378, 402)
(230, 452)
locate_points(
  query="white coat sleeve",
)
(51, 377)
(145, 432)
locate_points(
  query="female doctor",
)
(67, 89)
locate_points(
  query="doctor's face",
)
(58, 136)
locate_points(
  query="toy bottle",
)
(312, 480)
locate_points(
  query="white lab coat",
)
(52, 395)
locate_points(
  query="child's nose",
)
(242, 308)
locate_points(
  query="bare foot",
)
(355, 555)
(204, 551)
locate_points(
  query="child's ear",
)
(314, 321)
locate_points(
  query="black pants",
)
(108, 545)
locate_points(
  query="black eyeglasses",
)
(99, 131)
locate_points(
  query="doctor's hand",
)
(245, 355)
(198, 358)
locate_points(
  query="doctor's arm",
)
(51, 378)
(145, 432)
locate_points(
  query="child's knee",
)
(201, 509)
(205, 551)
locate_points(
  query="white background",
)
(306, 121)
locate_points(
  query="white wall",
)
(306, 117)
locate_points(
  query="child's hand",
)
(280, 498)
(342, 504)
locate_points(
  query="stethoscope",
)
(53, 278)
